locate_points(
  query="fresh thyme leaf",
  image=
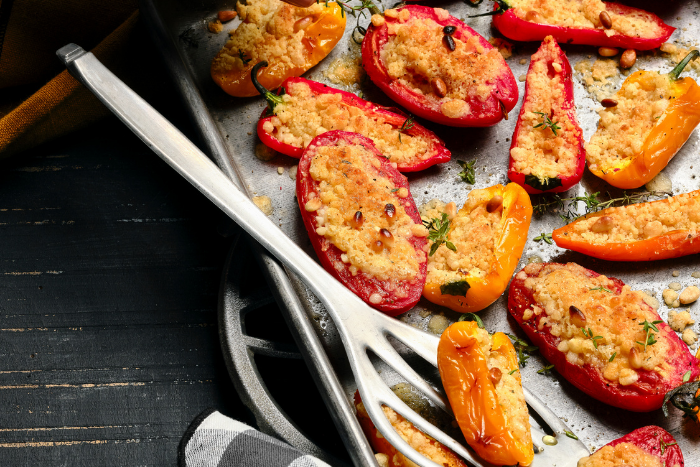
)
(613, 357)
(458, 289)
(686, 376)
(546, 370)
(472, 317)
(651, 337)
(547, 123)
(570, 434)
(589, 334)
(547, 237)
(512, 371)
(467, 174)
(407, 125)
(601, 289)
(523, 348)
(241, 55)
(664, 445)
(437, 233)
(395, 190)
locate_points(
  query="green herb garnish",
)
(547, 123)
(523, 348)
(467, 174)
(547, 237)
(546, 370)
(458, 289)
(612, 357)
(651, 337)
(437, 233)
(600, 288)
(686, 376)
(407, 125)
(589, 334)
(570, 434)
(684, 398)
(568, 207)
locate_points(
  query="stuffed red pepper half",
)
(438, 68)
(650, 446)
(600, 335)
(304, 109)
(599, 23)
(547, 153)
(362, 220)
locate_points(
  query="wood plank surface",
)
(109, 274)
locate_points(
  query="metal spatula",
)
(362, 329)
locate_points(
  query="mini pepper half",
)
(547, 153)
(438, 68)
(301, 108)
(480, 375)
(292, 40)
(598, 23)
(475, 251)
(643, 126)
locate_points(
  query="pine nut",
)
(628, 58)
(607, 51)
(605, 19)
(439, 87)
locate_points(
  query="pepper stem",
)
(272, 99)
(676, 72)
(502, 8)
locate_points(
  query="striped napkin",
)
(214, 440)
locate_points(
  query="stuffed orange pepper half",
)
(643, 126)
(289, 38)
(482, 381)
(474, 252)
(668, 228)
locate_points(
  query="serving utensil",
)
(362, 329)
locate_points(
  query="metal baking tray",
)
(227, 129)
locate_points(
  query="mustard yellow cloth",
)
(39, 100)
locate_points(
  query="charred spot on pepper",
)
(457, 288)
(543, 183)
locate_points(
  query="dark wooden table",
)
(110, 268)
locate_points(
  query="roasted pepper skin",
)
(667, 136)
(465, 376)
(517, 29)
(645, 395)
(673, 244)
(483, 291)
(329, 255)
(319, 39)
(569, 108)
(649, 439)
(488, 112)
(441, 153)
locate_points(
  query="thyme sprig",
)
(600, 288)
(523, 348)
(568, 207)
(468, 175)
(547, 237)
(353, 10)
(407, 125)
(547, 123)
(589, 334)
(546, 370)
(648, 328)
(437, 233)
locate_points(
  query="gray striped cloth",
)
(214, 440)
